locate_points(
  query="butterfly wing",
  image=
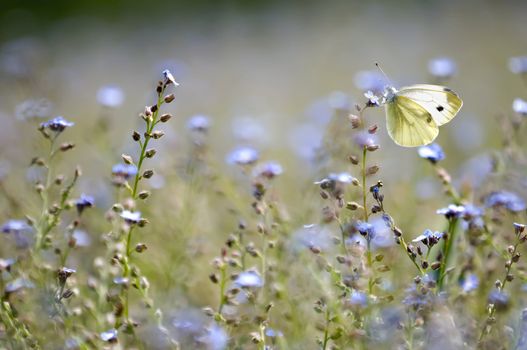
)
(441, 102)
(408, 123)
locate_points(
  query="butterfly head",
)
(389, 93)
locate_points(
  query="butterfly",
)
(414, 113)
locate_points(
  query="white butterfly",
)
(414, 113)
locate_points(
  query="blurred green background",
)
(269, 74)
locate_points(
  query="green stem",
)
(150, 124)
(223, 281)
(447, 251)
(364, 190)
(326, 330)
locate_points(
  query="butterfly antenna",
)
(386, 76)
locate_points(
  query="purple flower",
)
(5, 264)
(124, 171)
(199, 123)
(57, 124)
(452, 211)
(243, 156)
(110, 96)
(131, 217)
(509, 200)
(373, 100)
(364, 139)
(442, 67)
(432, 152)
(520, 106)
(429, 238)
(268, 170)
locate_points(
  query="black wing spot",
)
(440, 108)
(429, 120)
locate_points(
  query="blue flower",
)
(520, 106)
(18, 284)
(442, 67)
(370, 80)
(509, 200)
(469, 282)
(429, 238)
(124, 171)
(109, 336)
(499, 298)
(57, 124)
(452, 211)
(169, 78)
(243, 156)
(268, 170)
(358, 298)
(199, 122)
(214, 338)
(366, 229)
(15, 226)
(249, 279)
(518, 65)
(271, 333)
(473, 216)
(342, 178)
(432, 152)
(84, 202)
(110, 96)
(518, 228)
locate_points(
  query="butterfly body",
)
(414, 113)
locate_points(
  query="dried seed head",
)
(373, 129)
(66, 146)
(353, 159)
(136, 136)
(148, 174)
(150, 153)
(165, 117)
(372, 170)
(169, 98)
(144, 194)
(127, 159)
(354, 120)
(372, 148)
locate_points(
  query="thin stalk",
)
(364, 190)
(487, 327)
(447, 251)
